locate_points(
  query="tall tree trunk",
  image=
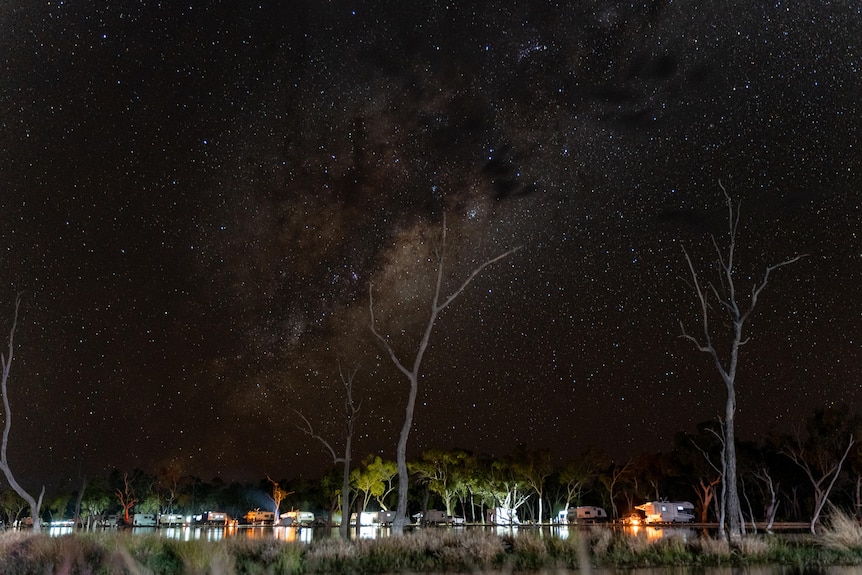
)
(401, 520)
(732, 507)
(344, 528)
(34, 503)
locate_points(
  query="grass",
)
(466, 551)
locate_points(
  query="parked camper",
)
(296, 518)
(365, 518)
(258, 517)
(168, 519)
(385, 517)
(215, 518)
(667, 511)
(585, 514)
(503, 516)
(144, 520)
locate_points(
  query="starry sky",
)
(195, 197)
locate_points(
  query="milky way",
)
(196, 197)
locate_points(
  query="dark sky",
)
(195, 197)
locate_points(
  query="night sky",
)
(195, 196)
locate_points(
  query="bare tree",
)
(823, 453)
(611, 479)
(736, 311)
(126, 497)
(351, 413)
(412, 373)
(278, 495)
(770, 486)
(34, 503)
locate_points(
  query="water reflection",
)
(761, 570)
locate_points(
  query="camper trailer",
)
(667, 511)
(258, 517)
(296, 518)
(144, 520)
(385, 517)
(215, 518)
(503, 516)
(585, 514)
(168, 519)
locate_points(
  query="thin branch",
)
(308, 429)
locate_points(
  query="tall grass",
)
(467, 551)
(841, 531)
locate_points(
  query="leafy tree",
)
(534, 466)
(58, 506)
(507, 486)
(579, 475)
(95, 502)
(438, 470)
(168, 481)
(12, 505)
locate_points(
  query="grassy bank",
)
(424, 551)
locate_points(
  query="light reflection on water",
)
(308, 534)
(651, 533)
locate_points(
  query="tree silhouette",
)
(351, 413)
(734, 310)
(438, 304)
(34, 503)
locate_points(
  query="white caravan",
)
(585, 514)
(667, 511)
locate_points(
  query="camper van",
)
(585, 514)
(667, 511)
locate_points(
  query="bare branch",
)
(380, 337)
(308, 429)
(476, 272)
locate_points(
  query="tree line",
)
(781, 478)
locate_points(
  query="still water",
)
(309, 534)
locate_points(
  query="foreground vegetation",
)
(430, 550)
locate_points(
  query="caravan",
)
(667, 512)
(585, 514)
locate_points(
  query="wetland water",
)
(309, 534)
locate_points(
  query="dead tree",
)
(820, 465)
(771, 487)
(34, 503)
(127, 498)
(278, 495)
(438, 304)
(734, 310)
(351, 412)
